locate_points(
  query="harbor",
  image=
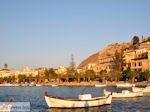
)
(35, 95)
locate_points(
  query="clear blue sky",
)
(44, 33)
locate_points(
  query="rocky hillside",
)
(108, 51)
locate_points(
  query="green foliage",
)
(22, 77)
(103, 75)
(116, 75)
(148, 39)
(146, 74)
(118, 60)
(135, 40)
(49, 74)
(125, 74)
(72, 63)
(133, 74)
(133, 47)
(90, 74)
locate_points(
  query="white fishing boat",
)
(126, 85)
(145, 90)
(54, 85)
(6, 107)
(38, 85)
(124, 94)
(85, 100)
(100, 85)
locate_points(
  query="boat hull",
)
(100, 85)
(127, 85)
(145, 90)
(124, 95)
(69, 103)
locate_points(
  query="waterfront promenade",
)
(111, 84)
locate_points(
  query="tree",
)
(30, 77)
(147, 75)
(90, 74)
(72, 63)
(59, 76)
(1, 80)
(5, 66)
(78, 77)
(13, 78)
(126, 73)
(118, 60)
(116, 75)
(37, 77)
(133, 75)
(135, 40)
(148, 39)
(103, 75)
(49, 74)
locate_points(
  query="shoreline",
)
(93, 84)
(110, 84)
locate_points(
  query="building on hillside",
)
(141, 61)
(61, 70)
(79, 70)
(145, 39)
(41, 71)
(91, 66)
(6, 73)
(26, 71)
(106, 64)
(128, 56)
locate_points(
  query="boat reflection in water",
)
(93, 109)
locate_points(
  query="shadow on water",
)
(87, 109)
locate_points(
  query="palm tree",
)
(78, 77)
(5, 66)
(103, 75)
(135, 40)
(67, 76)
(49, 74)
(24, 78)
(133, 75)
(118, 60)
(147, 75)
(13, 78)
(1, 80)
(30, 77)
(59, 77)
(37, 77)
(90, 74)
(20, 78)
(116, 76)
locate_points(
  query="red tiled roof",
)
(4, 70)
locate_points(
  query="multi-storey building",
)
(141, 60)
(106, 63)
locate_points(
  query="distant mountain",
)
(106, 52)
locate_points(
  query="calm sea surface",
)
(35, 95)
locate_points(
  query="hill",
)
(106, 52)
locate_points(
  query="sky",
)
(45, 33)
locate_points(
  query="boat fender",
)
(11, 99)
(46, 94)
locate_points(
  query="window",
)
(134, 69)
(135, 64)
(140, 63)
